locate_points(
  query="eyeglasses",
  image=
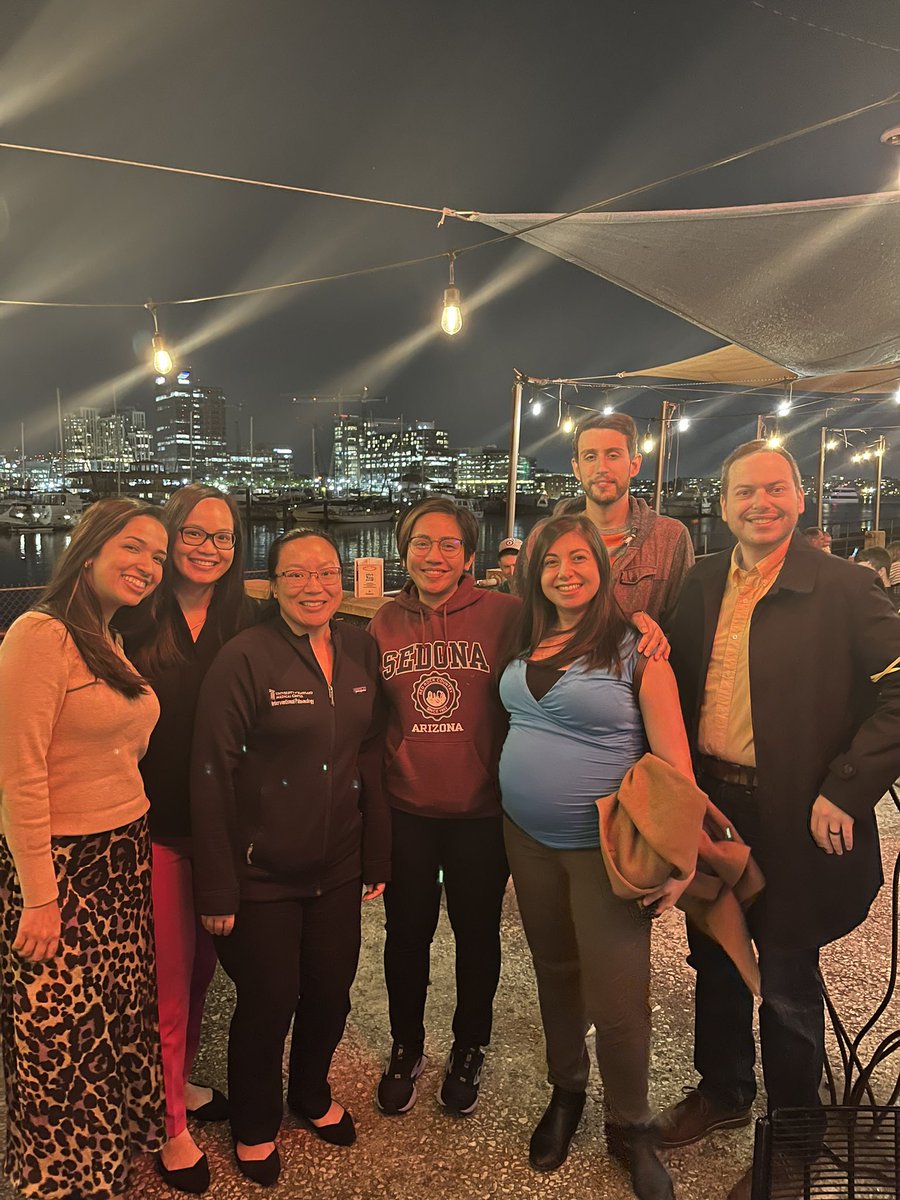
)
(448, 545)
(296, 578)
(222, 539)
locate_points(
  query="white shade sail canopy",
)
(812, 287)
(735, 365)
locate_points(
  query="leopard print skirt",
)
(79, 1033)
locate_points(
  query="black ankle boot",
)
(552, 1134)
(635, 1147)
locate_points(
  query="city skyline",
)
(370, 456)
(404, 103)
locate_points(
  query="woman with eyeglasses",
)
(173, 639)
(440, 643)
(290, 826)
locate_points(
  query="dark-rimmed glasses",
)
(222, 539)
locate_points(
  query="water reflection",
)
(27, 558)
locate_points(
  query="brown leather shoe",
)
(694, 1117)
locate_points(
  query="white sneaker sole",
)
(399, 1112)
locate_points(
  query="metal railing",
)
(15, 601)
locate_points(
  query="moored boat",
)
(844, 494)
(361, 514)
(42, 510)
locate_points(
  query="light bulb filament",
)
(162, 359)
(451, 315)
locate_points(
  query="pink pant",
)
(185, 963)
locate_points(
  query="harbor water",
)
(27, 558)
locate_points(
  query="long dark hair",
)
(598, 636)
(156, 646)
(70, 595)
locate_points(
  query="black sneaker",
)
(396, 1092)
(459, 1091)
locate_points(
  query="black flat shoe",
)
(213, 1110)
(194, 1179)
(341, 1133)
(264, 1171)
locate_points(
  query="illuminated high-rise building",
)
(484, 471)
(80, 438)
(190, 427)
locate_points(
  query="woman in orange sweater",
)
(77, 991)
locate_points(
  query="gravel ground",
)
(429, 1153)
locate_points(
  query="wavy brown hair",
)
(598, 636)
(154, 646)
(71, 599)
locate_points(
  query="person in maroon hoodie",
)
(440, 643)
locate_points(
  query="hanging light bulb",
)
(536, 408)
(648, 445)
(607, 410)
(162, 359)
(163, 362)
(451, 314)
(831, 444)
(784, 408)
(897, 396)
(684, 424)
(775, 442)
(568, 424)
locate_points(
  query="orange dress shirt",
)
(726, 722)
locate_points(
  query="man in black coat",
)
(788, 664)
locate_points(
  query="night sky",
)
(498, 106)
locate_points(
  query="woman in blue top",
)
(576, 727)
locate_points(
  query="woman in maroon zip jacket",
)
(440, 642)
(288, 819)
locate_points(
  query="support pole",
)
(62, 440)
(665, 414)
(514, 455)
(820, 495)
(878, 472)
(760, 428)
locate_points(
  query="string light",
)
(536, 408)
(775, 441)
(831, 444)
(607, 410)
(163, 362)
(451, 316)
(684, 424)
(568, 424)
(897, 396)
(784, 408)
